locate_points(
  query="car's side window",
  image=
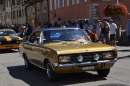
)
(35, 37)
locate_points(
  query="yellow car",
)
(9, 39)
(66, 50)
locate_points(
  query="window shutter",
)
(63, 2)
(55, 4)
(73, 2)
(77, 1)
(67, 2)
(58, 3)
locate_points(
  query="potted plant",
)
(115, 10)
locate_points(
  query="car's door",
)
(32, 44)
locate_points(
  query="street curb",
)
(119, 58)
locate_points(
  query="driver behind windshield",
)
(47, 36)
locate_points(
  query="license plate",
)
(8, 47)
(88, 68)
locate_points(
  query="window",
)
(81, 1)
(14, 15)
(60, 3)
(44, 6)
(53, 4)
(22, 12)
(19, 13)
(7, 4)
(13, 2)
(35, 37)
(70, 2)
(114, 1)
(38, 7)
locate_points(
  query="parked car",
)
(66, 50)
(9, 39)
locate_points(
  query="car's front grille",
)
(10, 42)
(86, 57)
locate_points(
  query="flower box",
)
(115, 9)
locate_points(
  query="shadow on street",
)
(7, 51)
(113, 84)
(37, 77)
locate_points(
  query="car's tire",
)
(51, 74)
(103, 72)
(28, 65)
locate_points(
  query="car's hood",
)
(10, 38)
(79, 47)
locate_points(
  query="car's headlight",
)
(108, 55)
(64, 59)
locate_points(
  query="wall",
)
(76, 11)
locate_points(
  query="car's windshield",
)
(7, 33)
(65, 35)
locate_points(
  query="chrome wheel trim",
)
(48, 70)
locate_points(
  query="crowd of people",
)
(104, 31)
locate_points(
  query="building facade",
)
(36, 11)
(42, 12)
(8, 11)
(3, 16)
(21, 12)
(14, 12)
(82, 10)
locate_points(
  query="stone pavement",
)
(123, 51)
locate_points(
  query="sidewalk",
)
(123, 51)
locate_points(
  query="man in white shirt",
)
(113, 28)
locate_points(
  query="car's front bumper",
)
(79, 67)
(84, 63)
(9, 46)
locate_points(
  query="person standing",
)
(128, 28)
(105, 32)
(98, 28)
(113, 28)
(85, 25)
(62, 25)
(77, 24)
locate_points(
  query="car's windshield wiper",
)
(69, 40)
(56, 40)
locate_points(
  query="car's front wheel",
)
(103, 72)
(51, 74)
(28, 65)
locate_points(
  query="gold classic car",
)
(66, 50)
(9, 39)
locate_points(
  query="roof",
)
(56, 28)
